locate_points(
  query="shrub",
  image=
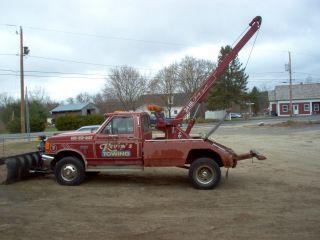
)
(91, 120)
(70, 122)
(14, 126)
(11, 117)
(67, 123)
(37, 124)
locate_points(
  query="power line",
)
(306, 73)
(103, 77)
(94, 75)
(79, 62)
(101, 36)
(8, 54)
(266, 73)
(109, 76)
(73, 61)
(54, 72)
(50, 76)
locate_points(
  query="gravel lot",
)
(274, 199)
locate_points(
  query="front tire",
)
(204, 173)
(69, 171)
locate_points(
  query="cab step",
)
(115, 168)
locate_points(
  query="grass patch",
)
(202, 120)
(14, 148)
(51, 129)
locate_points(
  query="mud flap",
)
(19, 166)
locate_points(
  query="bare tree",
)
(166, 81)
(192, 72)
(5, 99)
(41, 96)
(83, 97)
(38, 94)
(127, 85)
(101, 102)
(70, 100)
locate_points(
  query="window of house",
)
(306, 107)
(120, 125)
(284, 108)
(175, 112)
(316, 107)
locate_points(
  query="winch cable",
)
(254, 42)
(240, 36)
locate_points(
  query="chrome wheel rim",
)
(69, 172)
(205, 174)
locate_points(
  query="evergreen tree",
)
(230, 87)
(10, 116)
(253, 97)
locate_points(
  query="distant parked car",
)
(90, 128)
(153, 120)
(235, 115)
(273, 113)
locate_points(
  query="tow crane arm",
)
(171, 128)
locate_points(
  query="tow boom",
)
(172, 128)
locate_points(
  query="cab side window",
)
(119, 125)
(146, 123)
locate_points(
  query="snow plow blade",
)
(18, 167)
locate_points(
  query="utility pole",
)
(23, 126)
(27, 115)
(290, 84)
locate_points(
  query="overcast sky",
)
(90, 36)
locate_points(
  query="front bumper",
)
(47, 160)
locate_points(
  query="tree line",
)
(126, 85)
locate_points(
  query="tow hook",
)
(257, 155)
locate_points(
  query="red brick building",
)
(305, 100)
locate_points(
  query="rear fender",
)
(198, 153)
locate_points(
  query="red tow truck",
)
(125, 141)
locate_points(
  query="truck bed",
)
(174, 152)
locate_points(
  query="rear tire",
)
(204, 173)
(69, 171)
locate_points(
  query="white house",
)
(174, 104)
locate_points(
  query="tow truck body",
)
(134, 145)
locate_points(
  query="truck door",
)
(117, 143)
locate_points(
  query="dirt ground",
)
(278, 198)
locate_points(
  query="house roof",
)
(299, 92)
(70, 107)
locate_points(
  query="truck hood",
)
(72, 136)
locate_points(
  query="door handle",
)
(132, 138)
